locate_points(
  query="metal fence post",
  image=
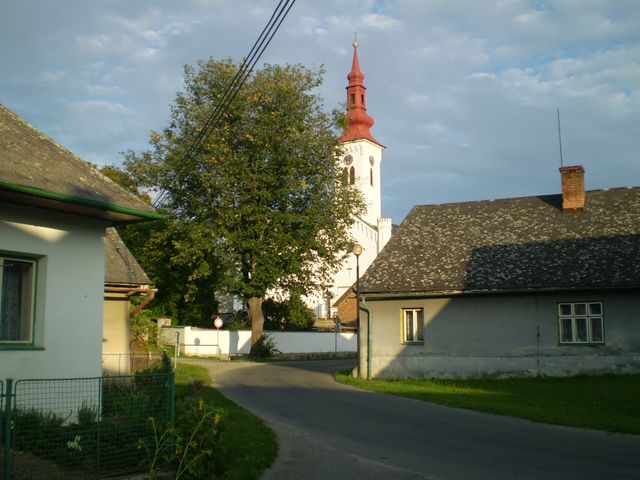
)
(100, 419)
(171, 397)
(6, 430)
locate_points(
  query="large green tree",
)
(177, 258)
(263, 192)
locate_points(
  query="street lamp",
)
(357, 251)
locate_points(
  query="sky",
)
(463, 92)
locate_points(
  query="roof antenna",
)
(559, 136)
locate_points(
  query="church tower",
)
(361, 160)
(362, 152)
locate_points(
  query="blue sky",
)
(464, 93)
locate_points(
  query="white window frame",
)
(28, 298)
(417, 324)
(586, 313)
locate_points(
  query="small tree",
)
(263, 194)
(173, 257)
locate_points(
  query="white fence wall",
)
(201, 341)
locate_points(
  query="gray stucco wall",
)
(498, 335)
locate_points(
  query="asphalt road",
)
(331, 431)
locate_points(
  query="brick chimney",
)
(573, 196)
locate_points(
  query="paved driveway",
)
(328, 431)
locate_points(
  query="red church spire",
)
(358, 121)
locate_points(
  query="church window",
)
(352, 176)
(352, 99)
(371, 176)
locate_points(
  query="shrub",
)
(144, 330)
(292, 314)
(191, 446)
(266, 347)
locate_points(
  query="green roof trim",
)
(85, 202)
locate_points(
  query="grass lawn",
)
(248, 445)
(607, 402)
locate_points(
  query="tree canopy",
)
(262, 197)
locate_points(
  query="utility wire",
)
(246, 68)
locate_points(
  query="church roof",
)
(517, 244)
(358, 120)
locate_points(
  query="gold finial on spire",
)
(355, 39)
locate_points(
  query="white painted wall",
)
(70, 284)
(200, 341)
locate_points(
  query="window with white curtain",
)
(17, 299)
(580, 323)
(412, 325)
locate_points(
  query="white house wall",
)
(70, 282)
(498, 334)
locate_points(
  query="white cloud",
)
(380, 22)
(53, 76)
(146, 53)
(529, 18)
(104, 90)
(94, 42)
(89, 107)
(481, 76)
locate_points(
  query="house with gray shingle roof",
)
(54, 209)
(124, 278)
(534, 285)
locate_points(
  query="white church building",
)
(361, 161)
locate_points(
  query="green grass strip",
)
(607, 402)
(249, 447)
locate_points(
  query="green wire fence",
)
(81, 428)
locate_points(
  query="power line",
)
(246, 68)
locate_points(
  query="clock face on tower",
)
(348, 159)
(371, 161)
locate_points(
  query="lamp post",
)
(357, 251)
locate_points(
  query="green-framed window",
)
(17, 299)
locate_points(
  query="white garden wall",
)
(199, 341)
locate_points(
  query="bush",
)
(191, 447)
(292, 314)
(144, 330)
(266, 347)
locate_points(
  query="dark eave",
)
(85, 207)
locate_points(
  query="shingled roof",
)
(121, 267)
(518, 244)
(35, 170)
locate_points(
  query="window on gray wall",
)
(412, 325)
(581, 323)
(17, 294)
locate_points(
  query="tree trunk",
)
(257, 325)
